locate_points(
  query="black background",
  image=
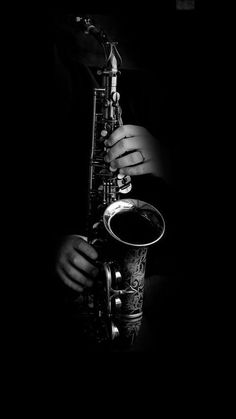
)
(179, 65)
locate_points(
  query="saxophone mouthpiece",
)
(88, 26)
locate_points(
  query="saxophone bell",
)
(134, 222)
(133, 225)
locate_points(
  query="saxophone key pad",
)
(104, 133)
(124, 183)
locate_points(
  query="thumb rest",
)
(120, 229)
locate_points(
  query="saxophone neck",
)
(113, 59)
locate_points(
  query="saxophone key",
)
(124, 183)
(104, 133)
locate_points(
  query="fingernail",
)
(112, 169)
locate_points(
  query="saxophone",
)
(120, 229)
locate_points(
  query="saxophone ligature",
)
(120, 229)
